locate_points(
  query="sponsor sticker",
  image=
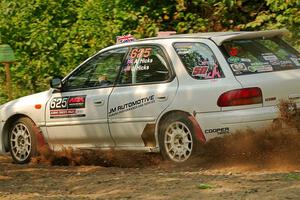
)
(215, 73)
(260, 67)
(269, 57)
(205, 63)
(183, 48)
(127, 68)
(76, 102)
(296, 61)
(218, 130)
(68, 106)
(132, 105)
(245, 60)
(140, 67)
(251, 69)
(234, 59)
(139, 59)
(140, 53)
(275, 62)
(200, 71)
(234, 51)
(130, 61)
(67, 113)
(238, 67)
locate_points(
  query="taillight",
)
(239, 97)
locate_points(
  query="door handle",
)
(162, 98)
(98, 102)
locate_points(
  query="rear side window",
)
(260, 55)
(144, 64)
(199, 60)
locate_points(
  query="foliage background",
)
(51, 37)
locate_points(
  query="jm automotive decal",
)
(69, 106)
(131, 105)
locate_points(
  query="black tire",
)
(176, 137)
(22, 140)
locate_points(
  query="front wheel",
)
(22, 140)
(176, 138)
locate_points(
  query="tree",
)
(51, 37)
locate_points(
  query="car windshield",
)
(260, 55)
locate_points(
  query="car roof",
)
(217, 37)
(220, 37)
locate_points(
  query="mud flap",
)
(148, 135)
(40, 139)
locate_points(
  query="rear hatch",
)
(267, 63)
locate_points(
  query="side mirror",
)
(56, 83)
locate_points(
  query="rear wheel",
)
(176, 138)
(22, 140)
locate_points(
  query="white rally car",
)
(159, 94)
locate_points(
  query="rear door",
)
(145, 88)
(269, 64)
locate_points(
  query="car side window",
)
(100, 71)
(144, 64)
(199, 60)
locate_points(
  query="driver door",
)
(77, 116)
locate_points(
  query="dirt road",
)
(158, 181)
(253, 165)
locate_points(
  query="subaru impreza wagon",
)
(165, 95)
